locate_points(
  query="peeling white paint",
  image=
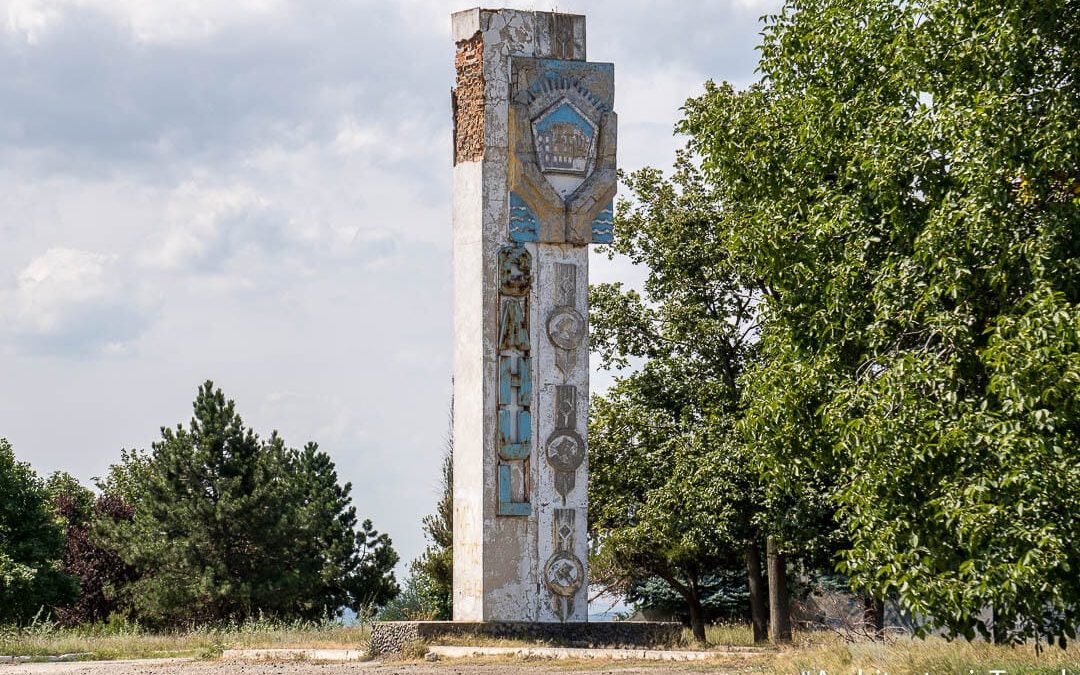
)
(499, 560)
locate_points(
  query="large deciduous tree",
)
(99, 569)
(31, 544)
(904, 184)
(674, 494)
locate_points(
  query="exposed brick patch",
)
(468, 100)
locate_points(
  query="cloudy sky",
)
(258, 192)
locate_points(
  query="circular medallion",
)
(564, 574)
(566, 328)
(565, 450)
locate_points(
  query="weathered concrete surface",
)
(547, 126)
(285, 654)
(564, 653)
(390, 637)
(459, 652)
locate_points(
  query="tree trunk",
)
(997, 631)
(874, 616)
(779, 610)
(759, 613)
(697, 613)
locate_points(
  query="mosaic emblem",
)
(564, 140)
(564, 574)
(565, 449)
(563, 134)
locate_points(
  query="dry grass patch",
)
(128, 641)
(901, 655)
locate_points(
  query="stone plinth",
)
(390, 637)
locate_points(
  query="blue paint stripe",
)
(524, 225)
(524, 427)
(515, 509)
(516, 451)
(507, 507)
(504, 429)
(505, 393)
(603, 226)
(525, 388)
(504, 484)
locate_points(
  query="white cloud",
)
(170, 22)
(354, 137)
(31, 19)
(73, 301)
(259, 192)
(205, 226)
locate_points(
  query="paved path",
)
(449, 652)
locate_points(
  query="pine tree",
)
(227, 526)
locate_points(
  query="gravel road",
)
(492, 667)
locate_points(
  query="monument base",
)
(391, 637)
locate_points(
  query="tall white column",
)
(534, 176)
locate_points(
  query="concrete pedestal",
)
(391, 637)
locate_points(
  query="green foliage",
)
(72, 501)
(227, 526)
(100, 569)
(371, 584)
(724, 598)
(904, 185)
(31, 543)
(674, 494)
(436, 563)
(417, 601)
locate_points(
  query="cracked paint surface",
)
(520, 364)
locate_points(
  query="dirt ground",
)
(447, 667)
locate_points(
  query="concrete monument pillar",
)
(534, 179)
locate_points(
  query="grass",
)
(129, 641)
(812, 652)
(815, 653)
(724, 635)
(901, 655)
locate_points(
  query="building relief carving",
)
(565, 449)
(564, 573)
(514, 403)
(563, 136)
(566, 327)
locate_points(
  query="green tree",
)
(227, 526)
(674, 492)
(436, 563)
(904, 184)
(101, 572)
(31, 544)
(371, 584)
(72, 501)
